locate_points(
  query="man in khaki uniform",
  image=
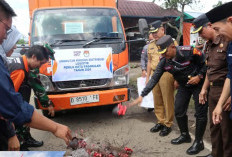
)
(163, 92)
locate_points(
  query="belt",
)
(217, 83)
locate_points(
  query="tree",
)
(179, 5)
(21, 41)
(218, 4)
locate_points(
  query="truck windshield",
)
(75, 24)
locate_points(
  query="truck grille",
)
(82, 83)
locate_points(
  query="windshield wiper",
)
(96, 39)
(60, 41)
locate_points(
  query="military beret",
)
(220, 12)
(163, 43)
(154, 26)
(199, 22)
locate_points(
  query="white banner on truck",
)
(82, 64)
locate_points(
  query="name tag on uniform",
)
(230, 55)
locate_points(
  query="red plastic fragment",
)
(96, 154)
(128, 150)
(121, 109)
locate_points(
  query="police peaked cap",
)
(163, 43)
(154, 26)
(220, 12)
(199, 22)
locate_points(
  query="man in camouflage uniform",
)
(24, 73)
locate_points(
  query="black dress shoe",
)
(31, 142)
(195, 148)
(23, 148)
(183, 138)
(165, 131)
(156, 128)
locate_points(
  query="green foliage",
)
(218, 4)
(21, 41)
(178, 4)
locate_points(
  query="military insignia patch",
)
(197, 52)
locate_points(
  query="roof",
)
(144, 9)
(188, 15)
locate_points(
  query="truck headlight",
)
(46, 82)
(121, 76)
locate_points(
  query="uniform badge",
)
(221, 45)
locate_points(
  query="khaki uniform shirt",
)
(216, 59)
(153, 55)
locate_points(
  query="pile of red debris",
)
(82, 149)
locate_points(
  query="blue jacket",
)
(12, 106)
(229, 61)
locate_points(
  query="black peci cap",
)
(220, 12)
(7, 9)
(154, 26)
(199, 22)
(163, 43)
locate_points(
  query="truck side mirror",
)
(143, 28)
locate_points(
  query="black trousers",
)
(182, 100)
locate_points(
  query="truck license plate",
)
(84, 99)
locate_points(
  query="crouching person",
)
(22, 72)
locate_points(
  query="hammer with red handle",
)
(120, 110)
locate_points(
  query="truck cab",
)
(91, 66)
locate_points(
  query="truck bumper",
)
(106, 97)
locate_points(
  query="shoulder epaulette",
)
(185, 48)
(153, 40)
(160, 57)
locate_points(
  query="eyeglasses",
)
(8, 29)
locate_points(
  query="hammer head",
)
(119, 110)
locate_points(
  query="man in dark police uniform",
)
(187, 65)
(216, 48)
